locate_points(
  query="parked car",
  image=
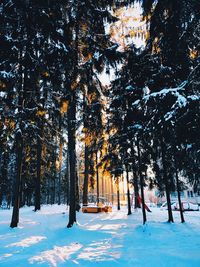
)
(188, 206)
(164, 205)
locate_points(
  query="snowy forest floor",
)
(103, 240)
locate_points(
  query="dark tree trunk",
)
(59, 188)
(19, 152)
(118, 194)
(166, 182)
(72, 158)
(178, 191)
(77, 193)
(72, 130)
(128, 191)
(22, 192)
(135, 182)
(141, 183)
(38, 177)
(60, 160)
(102, 186)
(97, 176)
(136, 190)
(4, 178)
(179, 199)
(86, 163)
(48, 190)
(67, 191)
(170, 215)
(53, 190)
(112, 196)
(86, 174)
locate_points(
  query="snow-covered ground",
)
(103, 240)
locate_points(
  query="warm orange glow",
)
(57, 165)
(64, 106)
(41, 113)
(88, 138)
(74, 85)
(92, 97)
(45, 74)
(2, 85)
(10, 124)
(130, 28)
(155, 48)
(193, 53)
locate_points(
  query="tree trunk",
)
(170, 215)
(48, 190)
(86, 175)
(19, 152)
(22, 193)
(72, 158)
(53, 189)
(77, 193)
(72, 130)
(60, 161)
(178, 191)
(118, 194)
(4, 178)
(135, 181)
(141, 183)
(112, 191)
(97, 176)
(128, 191)
(136, 190)
(59, 188)
(180, 203)
(102, 186)
(167, 190)
(38, 178)
(67, 191)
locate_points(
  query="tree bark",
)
(136, 190)
(39, 164)
(67, 191)
(15, 214)
(112, 196)
(72, 158)
(72, 129)
(77, 193)
(97, 176)
(60, 159)
(118, 194)
(86, 176)
(135, 182)
(128, 192)
(178, 191)
(165, 178)
(141, 183)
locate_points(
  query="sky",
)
(129, 29)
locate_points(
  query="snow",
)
(6, 75)
(103, 240)
(173, 91)
(3, 94)
(194, 97)
(96, 55)
(129, 88)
